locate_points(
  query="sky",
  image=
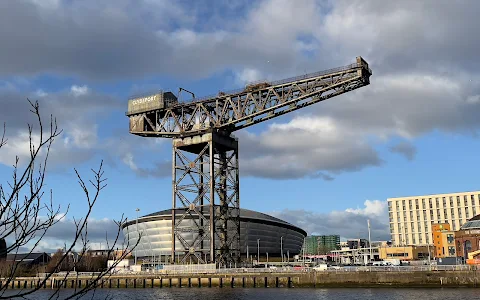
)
(326, 168)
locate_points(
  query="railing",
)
(289, 270)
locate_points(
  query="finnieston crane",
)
(205, 173)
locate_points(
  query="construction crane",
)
(205, 173)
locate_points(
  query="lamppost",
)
(258, 251)
(281, 247)
(136, 225)
(369, 240)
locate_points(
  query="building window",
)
(444, 202)
(465, 201)
(389, 205)
(451, 251)
(437, 202)
(474, 211)
(450, 238)
(473, 200)
(467, 214)
(451, 201)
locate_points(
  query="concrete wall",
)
(310, 279)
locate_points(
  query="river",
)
(276, 294)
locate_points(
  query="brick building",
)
(467, 239)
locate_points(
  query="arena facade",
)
(255, 227)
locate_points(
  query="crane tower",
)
(205, 177)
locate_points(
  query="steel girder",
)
(240, 109)
(206, 202)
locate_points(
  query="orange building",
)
(443, 240)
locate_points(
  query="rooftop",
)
(473, 223)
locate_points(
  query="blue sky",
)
(412, 131)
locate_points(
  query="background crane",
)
(205, 196)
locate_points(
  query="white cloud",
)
(475, 99)
(79, 90)
(17, 146)
(375, 208)
(247, 75)
(350, 223)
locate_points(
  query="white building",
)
(411, 217)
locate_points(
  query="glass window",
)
(451, 251)
(450, 238)
(451, 201)
(472, 200)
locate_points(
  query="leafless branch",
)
(26, 214)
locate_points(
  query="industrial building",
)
(411, 218)
(406, 253)
(259, 234)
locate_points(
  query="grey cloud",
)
(76, 115)
(405, 149)
(347, 224)
(407, 35)
(99, 231)
(160, 169)
(296, 152)
(121, 39)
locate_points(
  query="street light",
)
(258, 251)
(136, 221)
(281, 247)
(369, 240)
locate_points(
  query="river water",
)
(276, 294)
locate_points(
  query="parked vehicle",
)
(321, 267)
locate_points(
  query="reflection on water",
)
(275, 294)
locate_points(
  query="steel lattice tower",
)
(205, 171)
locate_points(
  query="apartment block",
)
(411, 218)
(443, 240)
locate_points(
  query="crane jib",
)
(161, 115)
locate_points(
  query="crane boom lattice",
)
(206, 202)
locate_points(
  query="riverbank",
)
(270, 280)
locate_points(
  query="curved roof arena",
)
(245, 215)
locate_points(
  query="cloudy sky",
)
(413, 130)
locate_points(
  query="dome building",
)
(258, 231)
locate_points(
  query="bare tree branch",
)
(26, 215)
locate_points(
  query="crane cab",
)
(138, 106)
